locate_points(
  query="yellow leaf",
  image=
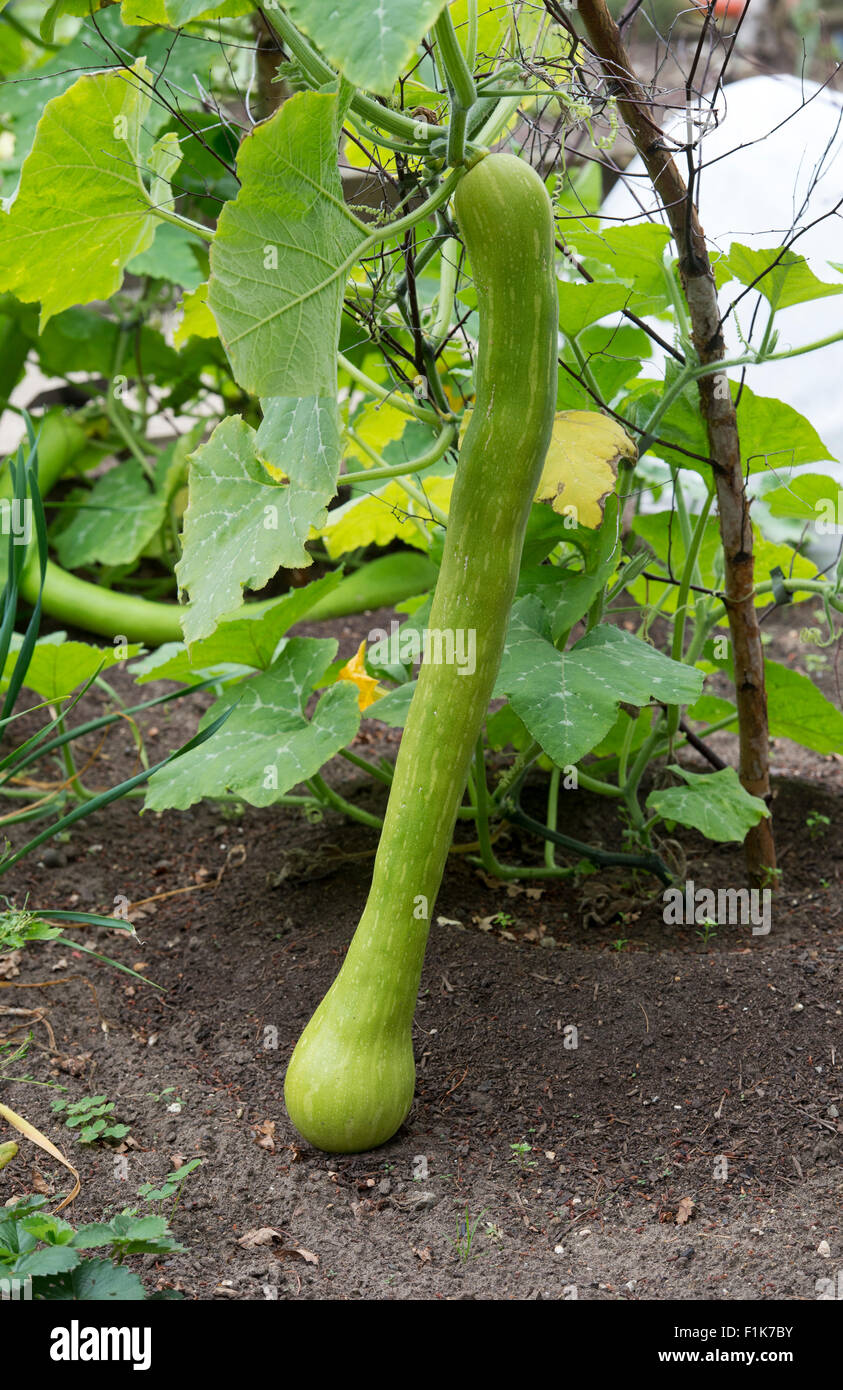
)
(197, 319)
(362, 154)
(456, 401)
(368, 690)
(493, 24)
(581, 464)
(378, 424)
(379, 517)
(36, 1137)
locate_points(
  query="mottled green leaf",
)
(247, 638)
(267, 745)
(569, 700)
(300, 437)
(113, 522)
(240, 527)
(714, 803)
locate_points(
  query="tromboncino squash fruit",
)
(350, 1081)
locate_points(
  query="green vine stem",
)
(551, 816)
(460, 82)
(383, 393)
(653, 863)
(396, 470)
(448, 267)
(679, 618)
(328, 797)
(386, 470)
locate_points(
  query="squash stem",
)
(380, 774)
(552, 811)
(460, 83)
(332, 798)
(481, 793)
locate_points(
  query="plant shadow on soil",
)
(707, 1070)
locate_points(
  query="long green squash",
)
(350, 1082)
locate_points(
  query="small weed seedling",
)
(466, 1232)
(817, 824)
(174, 1102)
(707, 930)
(171, 1187)
(519, 1155)
(92, 1116)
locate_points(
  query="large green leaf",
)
(301, 437)
(93, 1281)
(394, 707)
(282, 250)
(179, 12)
(634, 255)
(781, 275)
(569, 700)
(662, 532)
(113, 522)
(581, 305)
(240, 526)
(810, 497)
(267, 745)
(23, 99)
(714, 803)
(83, 340)
(371, 44)
(797, 710)
(57, 667)
(81, 212)
(170, 257)
(772, 434)
(54, 1260)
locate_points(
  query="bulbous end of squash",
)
(350, 1083)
